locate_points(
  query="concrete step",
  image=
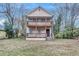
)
(35, 38)
(48, 38)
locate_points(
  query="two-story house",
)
(39, 25)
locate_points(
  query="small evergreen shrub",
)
(67, 34)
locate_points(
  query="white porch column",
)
(36, 25)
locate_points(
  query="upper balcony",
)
(39, 21)
(29, 23)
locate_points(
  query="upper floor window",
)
(40, 19)
(43, 19)
(32, 19)
(48, 19)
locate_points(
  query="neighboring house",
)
(39, 25)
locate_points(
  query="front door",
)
(48, 32)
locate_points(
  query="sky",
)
(30, 6)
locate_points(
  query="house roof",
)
(39, 11)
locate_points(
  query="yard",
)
(21, 47)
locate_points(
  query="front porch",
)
(38, 32)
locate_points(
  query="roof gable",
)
(40, 12)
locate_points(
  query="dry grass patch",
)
(24, 47)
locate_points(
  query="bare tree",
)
(23, 19)
(9, 11)
(58, 17)
(72, 15)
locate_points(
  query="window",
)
(34, 19)
(43, 19)
(40, 19)
(39, 8)
(40, 29)
(30, 30)
(48, 19)
(30, 19)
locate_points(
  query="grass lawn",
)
(21, 47)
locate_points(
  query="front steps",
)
(35, 38)
(47, 38)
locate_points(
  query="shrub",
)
(59, 35)
(9, 30)
(67, 34)
(76, 33)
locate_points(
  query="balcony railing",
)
(36, 35)
(38, 23)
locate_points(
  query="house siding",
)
(36, 30)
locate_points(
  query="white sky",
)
(2, 21)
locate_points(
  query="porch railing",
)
(36, 35)
(30, 23)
